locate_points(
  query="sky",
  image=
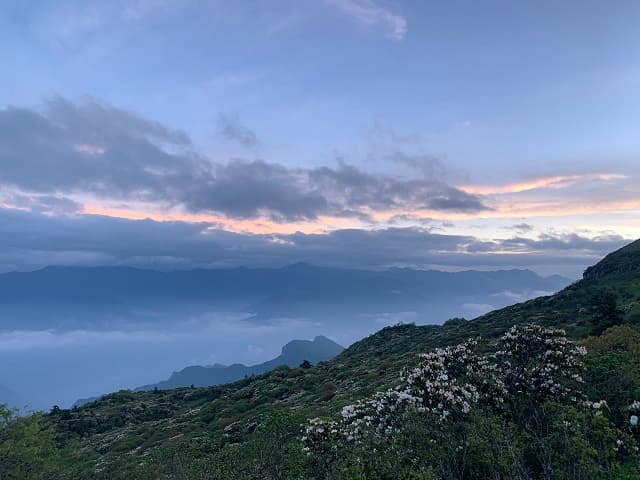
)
(361, 133)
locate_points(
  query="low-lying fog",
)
(47, 367)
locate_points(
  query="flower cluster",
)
(634, 409)
(540, 363)
(600, 404)
(322, 437)
(449, 382)
(383, 414)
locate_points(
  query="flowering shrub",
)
(322, 437)
(448, 382)
(539, 363)
(532, 362)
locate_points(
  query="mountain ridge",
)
(51, 298)
(292, 354)
(623, 261)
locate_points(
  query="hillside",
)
(621, 262)
(126, 429)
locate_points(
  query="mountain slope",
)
(623, 261)
(185, 419)
(293, 354)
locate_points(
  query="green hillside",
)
(251, 428)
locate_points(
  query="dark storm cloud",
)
(31, 240)
(89, 147)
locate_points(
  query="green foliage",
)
(566, 443)
(536, 426)
(605, 312)
(28, 449)
(613, 370)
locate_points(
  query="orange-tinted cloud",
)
(259, 226)
(553, 182)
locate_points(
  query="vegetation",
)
(512, 410)
(28, 448)
(517, 412)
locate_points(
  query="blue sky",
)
(529, 109)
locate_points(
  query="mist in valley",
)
(68, 352)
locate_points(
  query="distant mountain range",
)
(93, 297)
(292, 355)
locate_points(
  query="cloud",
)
(20, 340)
(76, 19)
(371, 14)
(541, 183)
(248, 189)
(427, 165)
(359, 189)
(562, 195)
(233, 130)
(89, 148)
(564, 242)
(30, 240)
(48, 204)
(521, 227)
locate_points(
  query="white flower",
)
(633, 420)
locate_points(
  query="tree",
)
(28, 450)
(604, 312)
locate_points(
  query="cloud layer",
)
(30, 240)
(91, 148)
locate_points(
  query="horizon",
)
(285, 266)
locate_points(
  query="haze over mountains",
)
(74, 332)
(103, 293)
